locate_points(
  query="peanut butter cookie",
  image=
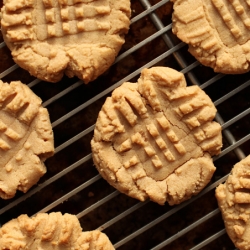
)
(155, 138)
(216, 31)
(76, 37)
(26, 138)
(234, 202)
(50, 231)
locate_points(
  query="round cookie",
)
(155, 138)
(234, 202)
(77, 37)
(26, 138)
(50, 231)
(216, 31)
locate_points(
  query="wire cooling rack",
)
(72, 183)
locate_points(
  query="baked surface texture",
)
(234, 202)
(50, 38)
(26, 138)
(50, 231)
(216, 31)
(155, 138)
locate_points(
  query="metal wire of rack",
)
(72, 183)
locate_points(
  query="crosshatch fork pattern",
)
(56, 18)
(223, 9)
(149, 124)
(234, 149)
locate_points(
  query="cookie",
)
(216, 31)
(155, 138)
(234, 202)
(26, 138)
(50, 231)
(77, 37)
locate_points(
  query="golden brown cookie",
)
(26, 138)
(216, 31)
(76, 37)
(50, 231)
(234, 202)
(154, 139)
